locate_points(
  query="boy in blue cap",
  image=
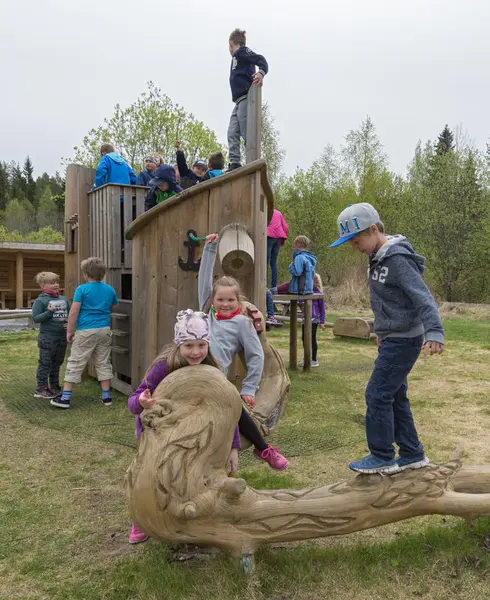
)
(404, 314)
(163, 186)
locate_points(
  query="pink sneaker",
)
(271, 455)
(137, 536)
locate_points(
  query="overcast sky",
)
(411, 65)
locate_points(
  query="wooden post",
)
(307, 336)
(254, 117)
(19, 281)
(293, 335)
(79, 181)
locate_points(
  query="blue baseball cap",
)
(354, 219)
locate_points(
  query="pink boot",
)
(271, 455)
(137, 536)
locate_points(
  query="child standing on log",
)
(190, 347)
(232, 331)
(242, 76)
(404, 314)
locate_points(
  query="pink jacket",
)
(277, 228)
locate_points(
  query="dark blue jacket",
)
(243, 63)
(161, 174)
(184, 169)
(144, 178)
(113, 169)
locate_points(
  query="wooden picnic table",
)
(293, 300)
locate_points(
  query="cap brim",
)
(156, 181)
(343, 239)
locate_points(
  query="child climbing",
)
(163, 186)
(232, 331)
(404, 312)
(317, 320)
(242, 75)
(277, 234)
(152, 161)
(89, 331)
(200, 170)
(302, 269)
(50, 309)
(190, 347)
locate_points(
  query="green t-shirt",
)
(51, 322)
(162, 196)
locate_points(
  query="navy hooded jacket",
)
(112, 168)
(243, 63)
(163, 173)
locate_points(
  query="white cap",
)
(354, 219)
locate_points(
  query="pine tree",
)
(4, 185)
(30, 185)
(18, 183)
(445, 141)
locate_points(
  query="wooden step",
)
(119, 350)
(119, 333)
(117, 315)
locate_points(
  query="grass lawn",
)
(65, 524)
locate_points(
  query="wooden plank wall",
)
(161, 287)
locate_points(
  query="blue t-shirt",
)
(97, 298)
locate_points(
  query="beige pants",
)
(89, 343)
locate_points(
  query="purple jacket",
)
(318, 308)
(155, 375)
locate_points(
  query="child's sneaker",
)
(271, 455)
(56, 391)
(315, 363)
(371, 464)
(273, 322)
(60, 403)
(107, 401)
(137, 536)
(47, 394)
(412, 463)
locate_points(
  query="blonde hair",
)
(172, 354)
(93, 268)
(317, 282)
(45, 277)
(302, 241)
(227, 281)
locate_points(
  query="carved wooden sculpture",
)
(178, 490)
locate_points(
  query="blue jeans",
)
(388, 417)
(273, 247)
(269, 303)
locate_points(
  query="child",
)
(271, 313)
(302, 268)
(112, 168)
(163, 186)
(191, 347)
(232, 331)
(277, 234)
(200, 171)
(51, 311)
(90, 316)
(152, 161)
(317, 319)
(189, 177)
(242, 75)
(404, 311)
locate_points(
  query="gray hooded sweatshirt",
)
(229, 336)
(401, 302)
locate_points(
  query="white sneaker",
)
(315, 363)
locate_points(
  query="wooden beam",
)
(293, 336)
(254, 117)
(19, 281)
(307, 336)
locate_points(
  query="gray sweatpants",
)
(52, 349)
(237, 129)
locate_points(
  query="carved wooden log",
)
(236, 251)
(178, 490)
